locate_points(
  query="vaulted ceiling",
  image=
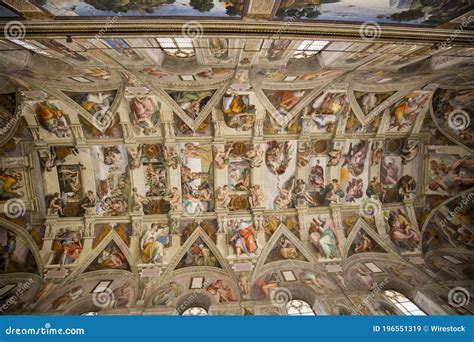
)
(154, 166)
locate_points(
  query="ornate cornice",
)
(126, 27)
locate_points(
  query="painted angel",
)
(254, 157)
(138, 200)
(174, 198)
(222, 197)
(135, 157)
(221, 158)
(171, 157)
(256, 196)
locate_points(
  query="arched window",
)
(297, 307)
(178, 47)
(195, 311)
(309, 48)
(404, 304)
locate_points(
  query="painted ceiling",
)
(143, 164)
(394, 12)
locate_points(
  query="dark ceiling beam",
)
(126, 27)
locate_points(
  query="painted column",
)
(137, 228)
(88, 234)
(175, 218)
(222, 239)
(338, 226)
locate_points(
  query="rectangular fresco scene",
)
(152, 8)
(414, 12)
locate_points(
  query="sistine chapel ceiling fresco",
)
(161, 167)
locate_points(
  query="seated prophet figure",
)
(401, 232)
(67, 246)
(52, 119)
(152, 246)
(244, 239)
(323, 237)
(10, 184)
